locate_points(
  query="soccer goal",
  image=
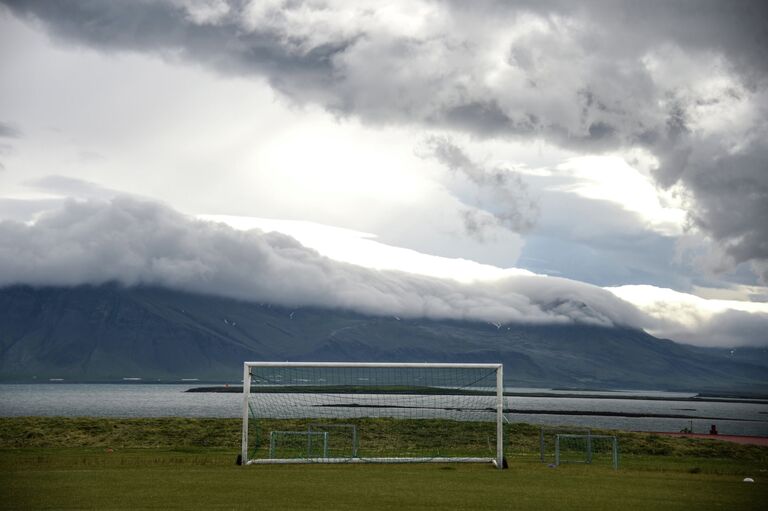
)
(548, 435)
(302, 444)
(327, 412)
(587, 449)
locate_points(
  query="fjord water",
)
(171, 400)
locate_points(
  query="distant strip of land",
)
(596, 413)
(351, 389)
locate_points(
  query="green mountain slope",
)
(110, 332)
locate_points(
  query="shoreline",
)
(700, 398)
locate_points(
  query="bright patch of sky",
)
(611, 178)
(362, 249)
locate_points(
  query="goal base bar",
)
(294, 461)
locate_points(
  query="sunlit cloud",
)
(611, 178)
(363, 249)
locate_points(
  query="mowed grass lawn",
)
(165, 479)
(196, 477)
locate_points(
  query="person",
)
(713, 430)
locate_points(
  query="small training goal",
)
(327, 412)
(548, 435)
(588, 448)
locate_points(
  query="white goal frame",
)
(498, 461)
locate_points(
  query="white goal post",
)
(353, 397)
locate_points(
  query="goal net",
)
(324, 412)
(548, 435)
(587, 449)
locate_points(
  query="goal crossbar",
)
(416, 365)
(498, 410)
(296, 461)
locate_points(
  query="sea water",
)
(171, 400)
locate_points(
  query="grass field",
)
(54, 463)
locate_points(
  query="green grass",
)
(55, 463)
(78, 478)
(171, 432)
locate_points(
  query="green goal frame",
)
(588, 448)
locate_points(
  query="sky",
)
(535, 161)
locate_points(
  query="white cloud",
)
(708, 322)
(362, 249)
(611, 178)
(137, 242)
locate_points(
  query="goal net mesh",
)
(589, 449)
(372, 413)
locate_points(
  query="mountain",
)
(109, 332)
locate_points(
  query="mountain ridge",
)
(109, 332)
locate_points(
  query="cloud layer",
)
(138, 242)
(134, 242)
(686, 80)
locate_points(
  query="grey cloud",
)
(579, 78)
(730, 190)
(25, 210)
(505, 201)
(761, 270)
(136, 242)
(383, 76)
(730, 328)
(485, 118)
(735, 27)
(8, 130)
(736, 328)
(478, 224)
(165, 27)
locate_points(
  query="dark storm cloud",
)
(166, 28)
(576, 74)
(728, 190)
(735, 27)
